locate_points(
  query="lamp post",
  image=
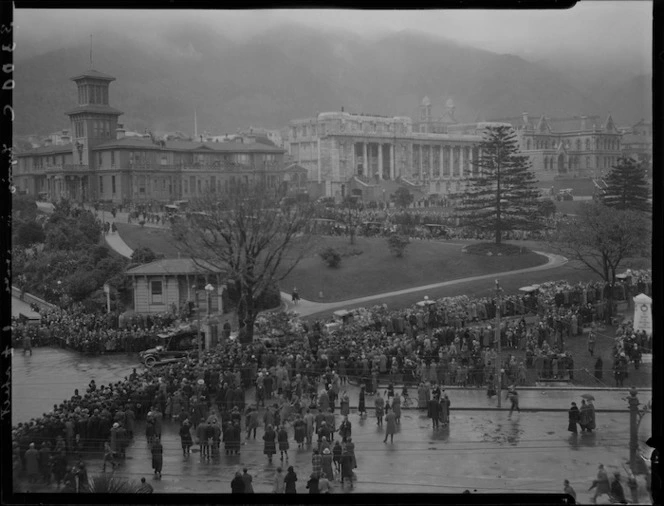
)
(198, 317)
(634, 420)
(498, 364)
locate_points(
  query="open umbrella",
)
(588, 397)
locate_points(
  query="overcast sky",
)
(592, 28)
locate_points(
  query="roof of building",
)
(294, 167)
(48, 150)
(631, 138)
(174, 266)
(95, 74)
(557, 125)
(178, 145)
(95, 109)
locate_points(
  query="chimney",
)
(342, 108)
(120, 131)
(583, 122)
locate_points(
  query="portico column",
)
(411, 168)
(392, 152)
(430, 162)
(421, 161)
(462, 169)
(440, 162)
(380, 160)
(353, 161)
(365, 162)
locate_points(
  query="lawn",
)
(376, 270)
(157, 239)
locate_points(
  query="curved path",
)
(308, 308)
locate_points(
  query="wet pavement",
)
(50, 376)
(482, 449)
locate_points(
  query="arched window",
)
(546, 163)
(528, 144)
(587, 144)
(578, 144)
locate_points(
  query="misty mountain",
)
(293, 72)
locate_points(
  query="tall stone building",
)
(337, 148)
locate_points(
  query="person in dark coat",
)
(617, 492)
(312, 484)
(282, 439)
(346, 468)
(237, 484)
(236, 437)
(247, 478)
(269, 447)
(185, 437)
(584, 416)
(574, 417)
(599, 365)
(361, 406)
(434, 412)
(157, 451)
(290, 480)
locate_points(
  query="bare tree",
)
(602, 238)
(250, 236)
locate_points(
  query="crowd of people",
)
(300, 383)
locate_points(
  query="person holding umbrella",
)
(584, 420)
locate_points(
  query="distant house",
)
(165, 285)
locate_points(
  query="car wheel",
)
(150, 361)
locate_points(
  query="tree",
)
(331, 257)
(402, 197)
(502, 196)
(144, 255)
(352, 217)
(250, 238)
(602, 238)
(546, 208)
(29, 233)
(397, 244)
(627, 186)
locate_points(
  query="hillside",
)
(287, 74)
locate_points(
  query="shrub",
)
(397, 244)
(29, 233)
(331, 257)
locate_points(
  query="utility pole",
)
(498, 364)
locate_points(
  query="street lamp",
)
(209, 289)
(198, 318)
(498, 364)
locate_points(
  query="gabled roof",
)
(175, 266)
(94, 74)
(294, 167)
(95, 109)
(48, 150)
(542, 125)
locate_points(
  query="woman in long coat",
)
(345, 404)
(346, 468)
(574, 417)
(444, 410)
(326, 463)
(324, 402)
(379, 404)
(345, 428)
(185, 437)
(269, 447)
(316, 462)
(300, 430)
(390, 427)
(279, 484)
(282, 438)
(361, 406)
(396, 407)
(421, 397)
(591, 416)
(290, 480)
(584, 420)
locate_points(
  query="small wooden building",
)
(163, 285)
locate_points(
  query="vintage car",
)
(175, 346)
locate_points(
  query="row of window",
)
(552, 163)
(604, 144)
(101, 128)
(341, 126)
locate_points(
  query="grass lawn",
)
(376, 270)
(157, 239)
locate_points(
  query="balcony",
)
(50, 169)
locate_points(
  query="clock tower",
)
(93, 122)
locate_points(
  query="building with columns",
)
(101, 163)
(339, 147)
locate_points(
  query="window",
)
(186, 186)
(112, 158)
(156, 292)
(101, 184)
(113, 184)
(99, 160)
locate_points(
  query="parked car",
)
(175, 346)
